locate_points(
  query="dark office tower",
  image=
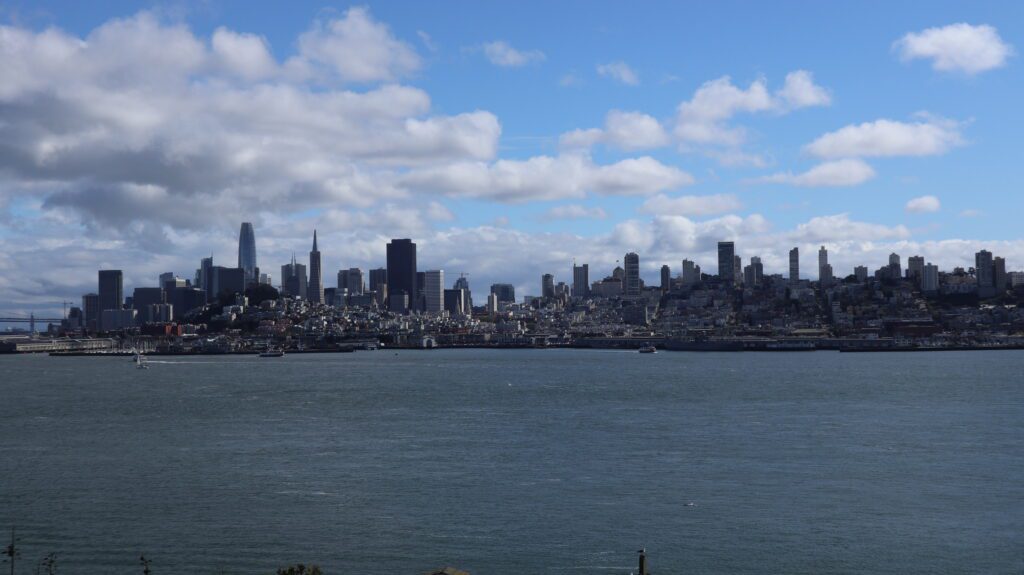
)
(547, 285)
(293, 279)
(205, 281)
(316, 279)
(351, 280)
(666, 278)
(378, 278)
(402, 268)
(226, 281)
(467, 297)
(111, 284)
(455, 301)
(794, 265)
(726, 262)
(999, 274)
(505, 293)
(631, 283)
(91, 310)
(737, 269)
(247, 252)
(984, 273)
(581, 280)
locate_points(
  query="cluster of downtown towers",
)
(402, 288)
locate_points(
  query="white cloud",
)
(971, 213)
(356, 48)
(923, 204)
(619, 71)
(500, 53)
(624, 130)
(840, 227)
(245, 55)
(691, 205)
(880, 138)
(800, 91)
(547, 178)
(956, 47)
(848, 172)
(575, 212)
(703, 122)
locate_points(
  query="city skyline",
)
(622, 143)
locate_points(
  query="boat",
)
(140, 361)
(648, 348)
(271, 352)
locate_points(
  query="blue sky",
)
(953, 91)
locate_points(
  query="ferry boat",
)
(270, 352)
(648, 348)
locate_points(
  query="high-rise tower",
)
(631, 287)
(402, 268)
(727, 262)
(316, 278)
(794, 265)
(247, 252)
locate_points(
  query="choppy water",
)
(518, 462)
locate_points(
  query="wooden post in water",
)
(642, 569)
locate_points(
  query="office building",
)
(462, 283)
(143, 297)
(401, 268)
(91, 311)
(895, 269)
(666, 278)
(433, 291)
(930, 278)
(581, 280)
(737, 269)
(506, 293)
(794, 265)
(226, 282)
(378, 278)
(984, 273)
(861, 273)
(726, 262)
(111, 293)
(247, 252)
(454, 302)
(999, 274)
(204, 277)
(293, 279)
(631, 278)
(915, 268)
(691, 273)
(316, 278)
(547, 285)
(351, 281)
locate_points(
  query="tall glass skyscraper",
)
(631, 287)
(247, 251)
(727, 261)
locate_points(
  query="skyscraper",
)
(111, 288)
(378, 278)
(794, 265)
(581, 280)
(467, 297)
(983, 273)
(824, 269)
(316, 279)
(915, 267)
(293, 279)
(930, 278)
(895, 269)
(402, 268)
(247, 252)
(666, 278)
(726, 261)
(91, 310)
(691, 272)
(999, 274)
(631, 285)
(351, 280)
(505, 293)
(205, 281)
(737, 269)
(433, 291)
(547, 285)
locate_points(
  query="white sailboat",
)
(140, 361)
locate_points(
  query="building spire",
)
(314, 239)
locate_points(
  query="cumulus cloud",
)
(356, 48)
(624, 130)
(800, 91)
(691, 205)
(956, 48)
(923, 204)
(547, 178)
(575, 212)
(619, 71)
(840, 227)
(931, 137)
(501, 53)
(848, 172)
